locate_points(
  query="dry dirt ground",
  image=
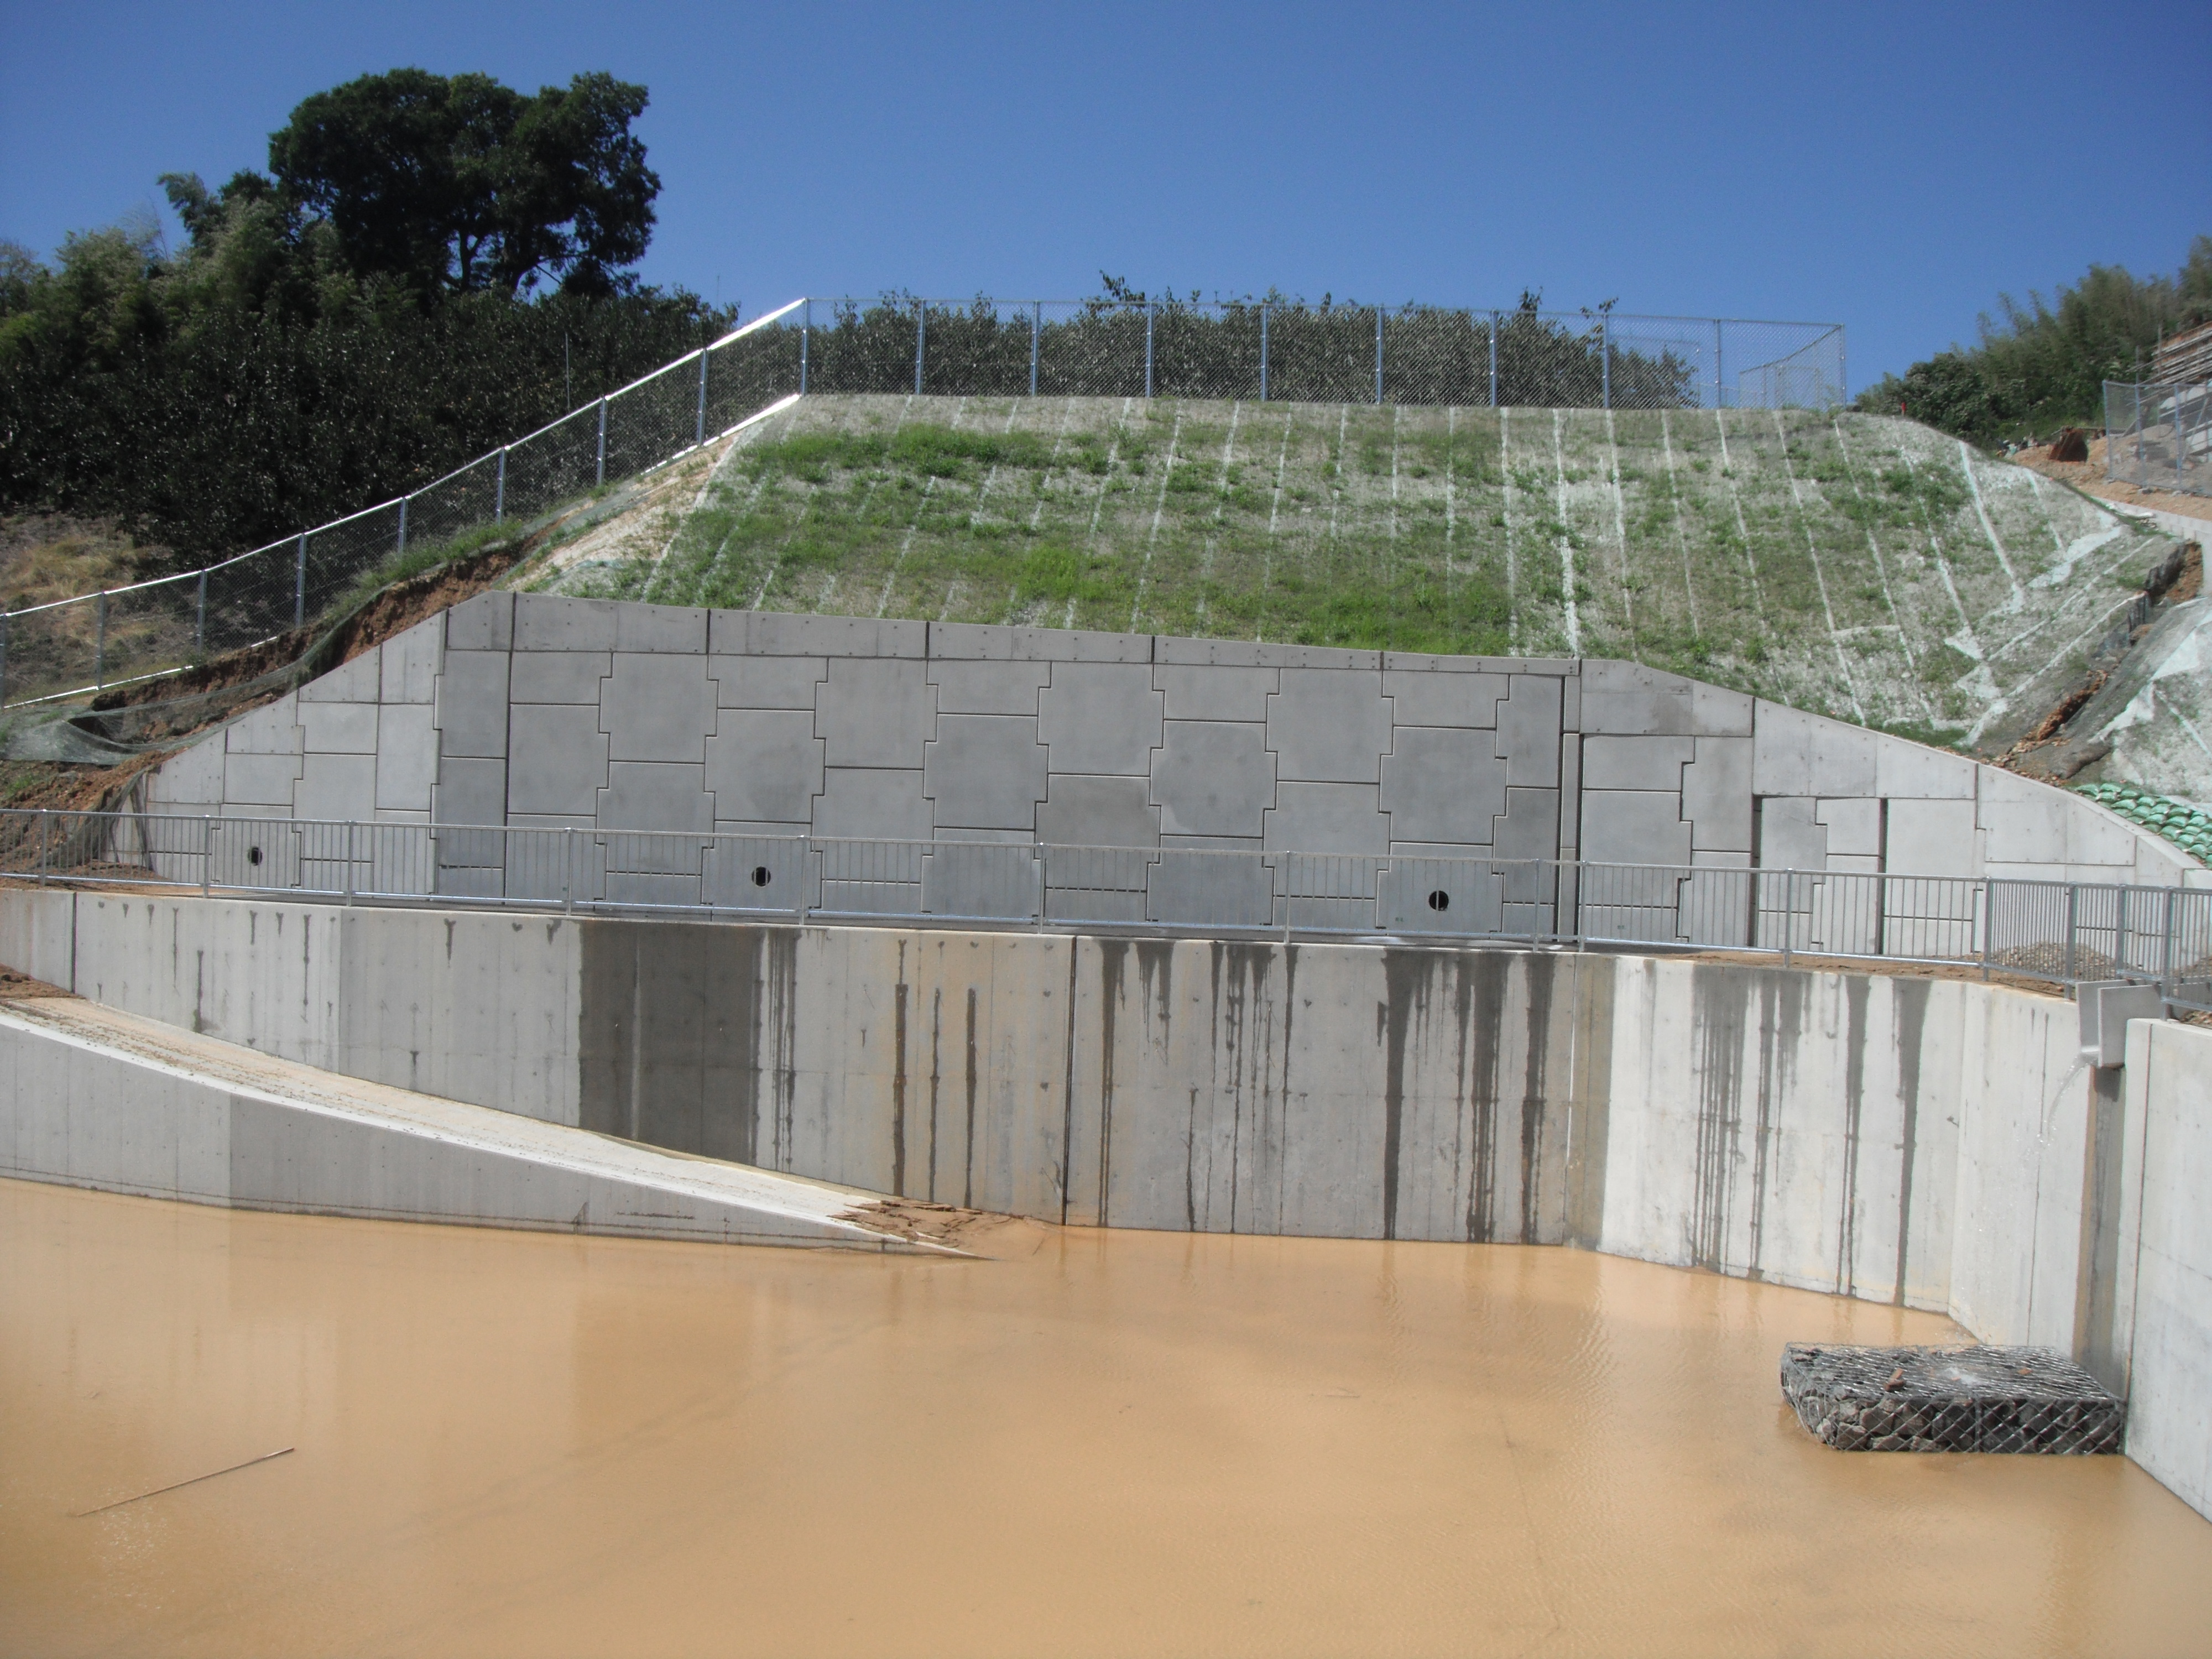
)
(2088, 477)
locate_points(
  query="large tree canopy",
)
(456, 184)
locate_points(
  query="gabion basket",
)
(1969, 1399)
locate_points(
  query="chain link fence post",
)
(1378, 357)
(1263, 353)
(1036, 330)
(602, 476)
(199, 619)
(921, 341)
(402, 551)
(1494, 360)
(699, 426)
(100, 648)
(806, 328)
(1604, 354)
(499, 490)
(1717, 379)
(1151, 306)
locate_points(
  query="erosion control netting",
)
(1971, 1399)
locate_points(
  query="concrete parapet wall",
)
(1937, 1143)
(538, 711)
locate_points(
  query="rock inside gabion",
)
(1972, 1399)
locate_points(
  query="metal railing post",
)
(349, 829)
(602, 475)
(568, 871)
(1037, 329)
(499, 490)
(1605, 357)
(806, 328)
(1263, 354)
(1989, 924)
(2120, 937)
(699, 428)
(921, 341)
(207, 854)
(1040, 887)
(100, 646)
(1150, 308)
(2166, 957)
(1789, 914)
(1494, 360)
(805, 870)
(300, 583)
(42, 846)
(2073, 921)
(1378, 355)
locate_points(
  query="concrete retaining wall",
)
(1935, 1144)
(538, 711)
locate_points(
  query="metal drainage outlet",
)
(1974, 1399)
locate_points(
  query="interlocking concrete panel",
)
(1933, 838)
(764, 766)
(274, 730)
(336, 787)
(472, 703)
(1854, 827)
(409, 662)
(1327, 818)
(873, 801)
(406, 757)
(1632, 826)
(766, 682)
(1610, 763)
(263, 781)
(339, 728)
(485, 622)
(1443, 784)
(1093, 811)
(1530, 826)
(656, 795)
(658, 707)
(660, 629)
(470, 791)
(1209, 693)
(571, 677)
(767, 634)
(1330, 726)
(1528, 731)
(1213, 778)
(1790, 835)
(547, 622)
(1716, 795)
(559, 762)
(1100, 718)
(1441, 696)
(985, 772)
(988, 688)
(1625, 699)
(357, 682)
(876, 713)
(983, 643)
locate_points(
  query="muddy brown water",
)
(1100, 1443)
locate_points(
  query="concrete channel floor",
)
(90, 1096)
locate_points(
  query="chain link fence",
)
(1295, 352)
(2159, 436)
(72, 646)
(1247, 349)
(2064, 932)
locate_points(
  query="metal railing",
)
(2061, 932)
(1262, 350)
(2159, 436)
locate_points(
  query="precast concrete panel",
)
(1442, 784)
(260, 780)
(765, 765)
(1782, 752)
(983, 641)
(766, 682)
(409, 662)
(406, 757)
(569, 677)
(356, 682)
(1790, 834)
(1908, 770)
(338, 728)
(984, 772)
(1643, 763)
(988, 688)
(274, 730)
(470, 791)
(880, 801)
(559, 759)
(770, 634)
(1443, 697)
(1716, 795)
(1095, 811)
(484, 623)
(1932, 838)
(472, 704)
(336, 787)
(1530, 826)
(1528, 731)
(1213, 778)
(552, 621)
(656, 795)
(1329, 726)
(660, 629)
(1626, 699)
(1327, 818)
(1209, 693)
(193, 778)
(875, 713)
(658, 707)
(1100, 718)
(1854, 827)
(1633, 826)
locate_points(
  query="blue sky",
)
(1893, 167)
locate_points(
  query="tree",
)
(458, 184)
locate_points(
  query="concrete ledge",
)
(93, 1097)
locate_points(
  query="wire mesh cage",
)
(1978, 1399)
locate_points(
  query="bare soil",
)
(2088, 477)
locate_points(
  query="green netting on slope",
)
(2185, 825)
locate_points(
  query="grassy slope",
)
(1857, 565)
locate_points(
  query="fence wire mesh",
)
(2159, 436)
(2064, 932)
